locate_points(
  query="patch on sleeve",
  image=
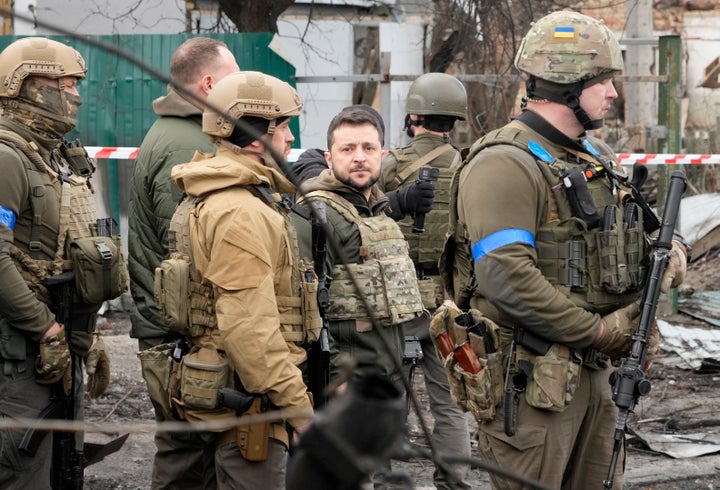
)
(7, 217)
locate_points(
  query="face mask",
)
(45, 109)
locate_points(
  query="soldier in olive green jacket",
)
(197, 65)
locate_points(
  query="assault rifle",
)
(68, 462)
(319, 354)
(628, 381)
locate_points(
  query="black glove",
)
(413, 199)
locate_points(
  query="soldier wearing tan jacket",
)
(245, 275)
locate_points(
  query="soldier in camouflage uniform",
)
(351, 196)
(539, 248)
(46, 208)
(434, 102)
(373, 247)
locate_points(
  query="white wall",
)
(325, 48)
(322, 48)
(701, 39)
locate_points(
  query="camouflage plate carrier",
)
(385, 273)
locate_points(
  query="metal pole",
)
(669, 115)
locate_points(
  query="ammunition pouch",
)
(99, 268)
(185, 305)
(202, 373)
(157, 366)
(552, 378)
(480, 392)
(77, 158)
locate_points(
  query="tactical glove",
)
(53, 364)
(97, 367)
(676, 267)
(614, 337)
(417, 197)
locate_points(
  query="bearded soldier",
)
(248, 309)
(50, 290)
(549, 244)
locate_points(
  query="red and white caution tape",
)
(112, 152)
(667, 159)
(130, 153)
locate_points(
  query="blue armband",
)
(7, 217)
(500, 239)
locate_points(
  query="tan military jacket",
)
(241, 247)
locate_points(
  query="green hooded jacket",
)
(173, 139)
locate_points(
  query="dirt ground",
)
(680, 402)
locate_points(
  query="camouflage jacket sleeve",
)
(18, 304)
(503, 199)
(245, 246)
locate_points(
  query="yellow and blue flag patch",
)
(564, 33)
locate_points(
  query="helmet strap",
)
(409, 123)
(566, 94)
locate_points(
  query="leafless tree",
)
(254, 15)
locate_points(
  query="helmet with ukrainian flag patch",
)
(566, 47)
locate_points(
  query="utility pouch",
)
(13, 345)
(480, 392)
(202, 373)
(77, 157)
(610, 249)
(578, 194)
(554, 378)
(99, 274)
(156, 364)
(312, 322)
(431, 292)
(635, 245)
(172, 296)
(253, 439)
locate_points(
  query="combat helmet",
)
(438, 94)
(248, 94)
(37, 56)
(563, 53)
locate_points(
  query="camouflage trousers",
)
(569, 449)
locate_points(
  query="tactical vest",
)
(425, 248)
(77, 215)
(596, 267)
(385, 273)
(299, 316)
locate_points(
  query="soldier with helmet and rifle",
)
(549, 241)
(58, 263)
(234, 286)
(435, 101)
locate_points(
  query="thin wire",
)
(440, 461)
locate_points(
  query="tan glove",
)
(54, 364)
(614, 337)
(676, 267)
(97, 367)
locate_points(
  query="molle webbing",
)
(385, 273)
(34, 167)
(202, 304)
(299, 314)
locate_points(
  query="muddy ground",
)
(680, 402)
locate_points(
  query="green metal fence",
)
(118, 94)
